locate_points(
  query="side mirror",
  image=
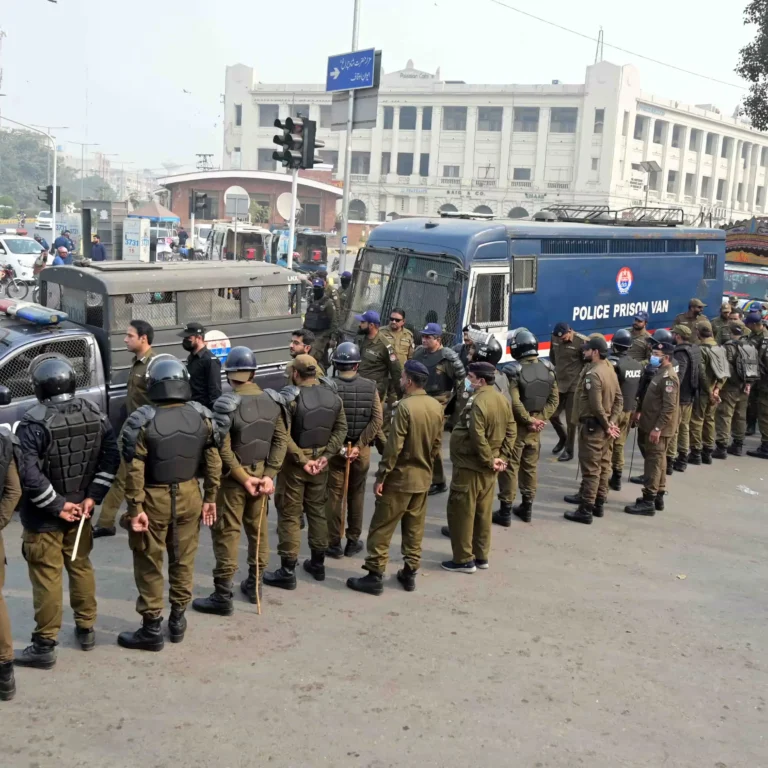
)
(5, 396)
(2, 250)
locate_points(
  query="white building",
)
(511, 150)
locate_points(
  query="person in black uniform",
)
(203, 366)
(69, 458)
(321, 319)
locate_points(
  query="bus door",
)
(488, 300)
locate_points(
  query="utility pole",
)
(48, 129)
(83, 145)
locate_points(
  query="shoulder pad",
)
(274, 395)
(130, 432)
(326, 382)
(201, 409)
(547, 362)
(511, 369)
(614, 361)
(449, 354)
(287, 394)
(5, 432)
(36, 413)
(227, 403)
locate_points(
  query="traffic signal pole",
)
(53, 207)
(294, 201)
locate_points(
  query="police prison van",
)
(508, 274)
(84, 312)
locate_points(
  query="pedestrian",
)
(254, 439)
(444, 382)
(318, 427)
(69, 458)
(378, 360)
(362, 409)
(138, 340)
(43, 242)
(62, 258)
(566, 355)
(64, 240)
(402, 482)
(163, 445)
(321, 319)
(98, 251)
(534, 395)
(598, 406)
(302, 342)
(722, 319)
(638, 349)
(203, 366)
(758, 337)
(687, 357)
(183, 236)
(658, 421)
(693, 315)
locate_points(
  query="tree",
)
(259, 213)
(753, 65)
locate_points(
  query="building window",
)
(764, 156)
(653, 180)
(689, 182)
(671, 182)
(625, 124)
(489, 118)
(563, 119)
(705, 183)
(426, 119)
(658, 132)
(268, 113)
(526, 120)
(325, 115)
(454, 118)
(695, 140)
(407, 120)
(451, 172)
(599, 121)
(401, 204)
(759, 200)
(725, 149)
(485, 172)
(300, 110)
(595, 163)
(386, 161)
(361, 163)
(310, 215)
(424, 164)
(677, 136)
(265, 161)
(331, 157)
(720, 190)
(524, 274)
(211, 210)
(709, 148)
(404, 163)
(421, 205)
(238, 114)
(739, 191)
(639, 132)
(521, 174)
(237, 161)
(389, 118)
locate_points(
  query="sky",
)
(144, 79)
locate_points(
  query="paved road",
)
(631, 642)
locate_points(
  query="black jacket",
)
(204, 377)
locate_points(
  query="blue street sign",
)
(344, 240)
(349, 71)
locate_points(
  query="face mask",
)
(345, 281)
(655, 361)
(318, 292)
(467, 385)
(187, 344)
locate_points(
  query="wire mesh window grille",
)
(158, 309)
(556, 246)
(681, 246)
(217, 305)
(638, 246)
(525, 274)
(710, 266)
(84, 307)
(270, 301)
(488, 300)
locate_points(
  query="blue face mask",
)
(467, 385)
(655, 361)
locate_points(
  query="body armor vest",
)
(316, 411)
(253, 424)
(629, 373)
(691, 383)
(175, 440)
(501, 384)
(437, 383)
(357, 395)
(535, 381)
(6, 455)
(316, 318)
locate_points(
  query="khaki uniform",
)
(344, 296)
(599, 404)
(568, 361)
(638, 350)
(135, 397)
(405, 470)
(379, 363)
(10, 497)
(325, 307)
(485, 431)
(179, 538)
(402, 342)
(731, 414)
(702, 426)
(689, 319)
(718, 324)
(319, 371)
(758, 395)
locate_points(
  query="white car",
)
(20, 252)
(200, 236)
(44, 220)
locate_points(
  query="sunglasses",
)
(395, 319)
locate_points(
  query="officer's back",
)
(203, 366)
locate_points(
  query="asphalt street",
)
(631, 642)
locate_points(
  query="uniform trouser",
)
(731, 416)
(404, 507)
(595, 448)
(617, 452)
(148, 547)
(470, 509)
(523, 467)
(279, 490)
(236, 509)
(304, 494)
(47, 555)
(680, 442)
(656, 465)
(753, 404)
(320, 346)
(438, 473)
(702, 427)
(6, 639)
(762, 411)
(565, 407)
(114, 498)
(358, 474)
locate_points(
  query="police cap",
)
(414, 366)
(483, 369)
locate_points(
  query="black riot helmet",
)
(167, 380)
(663, 340)
(488, 351)
(346, 356)
(622, 341)
(523, 344)
(53, 378)
(240, 364)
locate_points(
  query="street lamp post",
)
(48, 129)
(83, 145)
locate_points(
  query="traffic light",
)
(291, 141)
(200, 201)
(308, 156)
(48, 196)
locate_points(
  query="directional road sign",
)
(350, 71)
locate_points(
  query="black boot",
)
(559, 445)
(503, 515)
(335, 551)
(615, 482)
(643, 506)
(41, 654)
(573, 498)
(751, 428)
(694, 457)
(371, 583)
(523, 509)
(284, 577)
(148, 637)
(598, 508)
(407, 578)
(86, 638)
(315, 566)
(101, 531)
(446, 531)
(582, 515)
(177, 623)
(638, 479)
(720, 452)
(302, 522)
(249, 586)
(436, 488)
(353, 548)
(736, 448)
(760, 453)
(706, 456)
(681, 462)
(670, 467)
(7, 681)
(566, 455)
(658, 502)
(219, 602)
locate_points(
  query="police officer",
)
(253, 445)
(463, 350)
(722, 319)
(535, 397)
(378, 361)
(203, 366)
(318, 427)
(658, 421)
(566, 355)
(362, 409)
(446, 375)
(11, 493)
(638, 349)
(163, 445)
(759, 395)
(598, 406)
(401, 340)
(302, 342)
(69, 458)
(628, 371)
(688, 359)
(481, 446)
(402, 482)
(693, 315)
(345, 279)
(320, 318)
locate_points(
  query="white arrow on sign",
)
(334, 73)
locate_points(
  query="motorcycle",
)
(11, 285)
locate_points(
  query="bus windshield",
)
(745, 285)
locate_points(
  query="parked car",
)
(44, 220)
(20, 252)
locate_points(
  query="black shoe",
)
(658, 502)
(694, 457)
(644, 506)
(302, 523)
(100, 531)
(615, 482)
(523, 510)
(449, 565)
(177, 624)
(7, 681)
(638, 479)
(248, 586)
(573, 498)
(503, 516)
(335, 551)
(598, 509)
(436, 488)
(482, 565)
(315, 566)
(706, 456)
(720, 452)
(760, 453)
(751, 429)
(371, 583)
(86, 638)
(559, 445)
(566, 455)
(446, 531)
(353, 548)
(284, 577)
(736, 448)
(40, 655)
(219, 602)
(148, 637)
(407, 578)
(670, 469)
(582, 515)
(680, 464)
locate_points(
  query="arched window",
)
(357, 210)
(517, 213)
(448, 207)
(483, 209)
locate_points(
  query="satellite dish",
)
(283, 206)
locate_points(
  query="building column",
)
(395, 139)
(541, 147)
(680, 186)
(417, 143)
(434, 143)
(730, 184)
(649, 138)
(715, 167)
(507, 118)
(469, 144)
(665, 147)
(699, 165)
(377, 143)
(754, 155)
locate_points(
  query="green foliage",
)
(259, 213)
(753, 65)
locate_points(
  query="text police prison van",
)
(626, 310)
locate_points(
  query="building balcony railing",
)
(404, 179)
(688, 199)
(520, 184)
(558, 185)
(358, 177)
(484, 182)
(450, 181)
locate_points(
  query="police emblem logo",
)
(624, 280)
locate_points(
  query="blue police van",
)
(505, 274)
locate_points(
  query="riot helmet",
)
(523, 344)
(167, 380)
(53, 378)
(622, 341)
(663, 340)
(240, 364)
(346, 356)
(487, 351)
